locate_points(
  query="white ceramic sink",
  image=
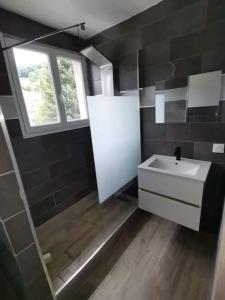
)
(183, 179)
(189, 168)
(178, 166)
(173, 189)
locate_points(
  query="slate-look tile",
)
(202, 132)
(9, 267)
(154, 131)
(154, 54)
(167, 148)
(5, 160)
(5, 88)
(213, 35)
(147, 114)
(203, 151)
(175, 26)
(10, 203)
(128, 80)
(36, 177)
(19, 231)
(216, 10)
(187, 66)
(185, 46)
(202, 114)
(50, 163)
(151, 74)
(42, 206)
(33, 274)
(221, 117)
(32, 269)
(213, 59)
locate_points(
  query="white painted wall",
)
(98, 14)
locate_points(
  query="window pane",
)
(37, 87)
(68, 69)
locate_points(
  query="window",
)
(49, 88)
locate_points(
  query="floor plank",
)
(160, 261)
(74, 235)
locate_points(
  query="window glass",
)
(67, 70)
(37, 86)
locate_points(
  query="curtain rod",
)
(81, 25)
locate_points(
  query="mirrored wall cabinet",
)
(201, 99)
(204, 94)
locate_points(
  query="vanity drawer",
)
(184, 189)
(172, 210)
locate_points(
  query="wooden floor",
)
(218, 284)
(153, 259)
(74, 235)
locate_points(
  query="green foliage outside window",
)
(37, 86)
(68, 85)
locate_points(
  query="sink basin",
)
(172, 165)
(182, 179)
(173, 189)
(188, 168)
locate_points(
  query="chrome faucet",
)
(177, 153)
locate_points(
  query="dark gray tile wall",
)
(187, 35)
(20, 264)
(57, 169)
(202, 114)
(196, 141)
(175, 39)
(11, 286)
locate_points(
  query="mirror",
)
(171, 105)
(204, 94)
(199, 101)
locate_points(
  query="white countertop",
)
(200, 175)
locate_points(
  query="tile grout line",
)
(7, 173)
(23, 250)
(13, 216)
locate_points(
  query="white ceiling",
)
(98, 14)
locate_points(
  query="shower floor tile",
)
(75, 234)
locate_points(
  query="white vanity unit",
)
(172, 188)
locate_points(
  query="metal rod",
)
(82, 25)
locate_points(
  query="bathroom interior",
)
(112, 159)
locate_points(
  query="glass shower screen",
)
(115, 132)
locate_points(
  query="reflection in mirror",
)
(200, 99)
(204, 94)
(170, 105)
(160, 108)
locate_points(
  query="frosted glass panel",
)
(115, 132)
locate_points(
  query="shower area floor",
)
(77, 233)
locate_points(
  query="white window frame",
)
(53, 53)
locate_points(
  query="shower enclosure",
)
(78, 182)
